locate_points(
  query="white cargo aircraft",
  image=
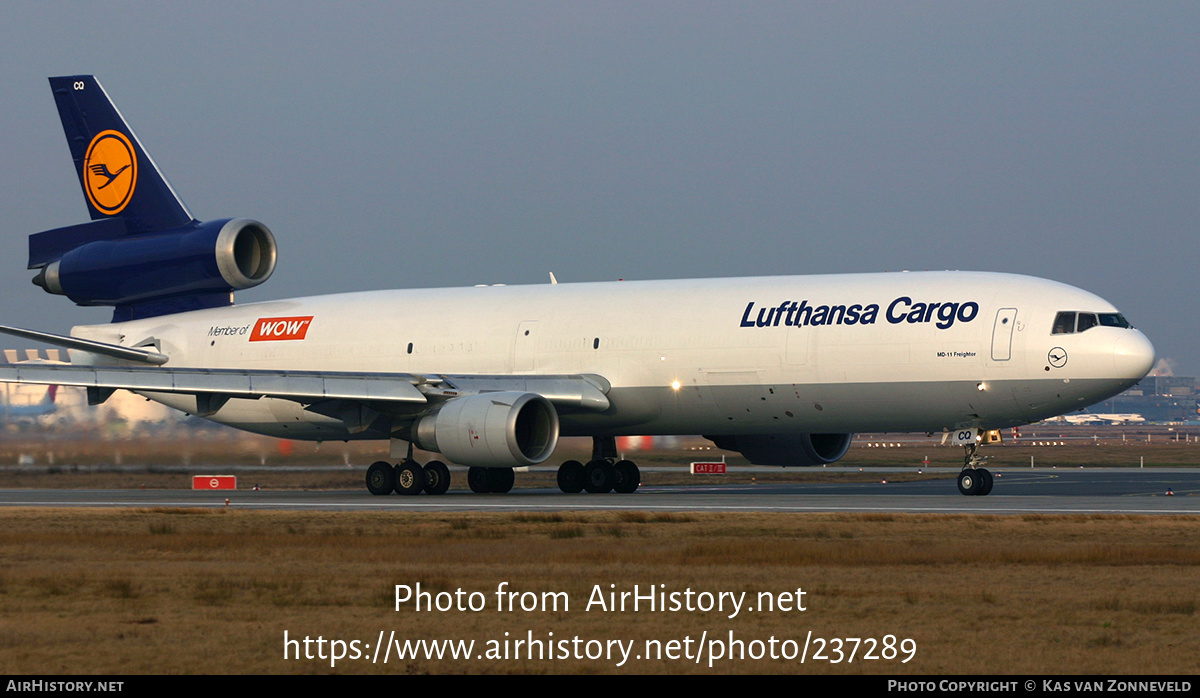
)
(1102, 418)
(781, 369)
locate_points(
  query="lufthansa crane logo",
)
(110, 172)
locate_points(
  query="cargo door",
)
(1002, 334)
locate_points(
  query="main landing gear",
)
(408, 477)
(602, 474)
(974, 480)
(484, 480)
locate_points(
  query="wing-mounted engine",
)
(500, 429)
(787, 449)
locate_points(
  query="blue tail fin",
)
(143, 253)
(117, 175)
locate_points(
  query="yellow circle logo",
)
(110, 172)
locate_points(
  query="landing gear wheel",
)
(627, 475)
(477, 479)
(437, 477)
(410, 478)
(598, 477)
(570, 477)
(985, 481)
(969, 482)
(381, 478)
(500, 480)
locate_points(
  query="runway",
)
(1017, 491)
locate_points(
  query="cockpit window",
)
(1069, 321)
(1064, 323)
(1114, 320)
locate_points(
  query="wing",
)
(301, 386)
(351, 396)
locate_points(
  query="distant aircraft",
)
(1079, 419)
(1122, 417)
(28, 402)
(1103, 418)
(12, 411)
(781, 369)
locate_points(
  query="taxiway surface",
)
(1085, 491)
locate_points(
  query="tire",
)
(627, 477)
(969, 482)
(477, 479)
(381, 478)
(985, 481)
(410, 478)
(598, 477)
(500, 480)
(437, 477)
(570, 477)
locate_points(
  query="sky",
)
(410, 145)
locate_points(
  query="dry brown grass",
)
(186, 590)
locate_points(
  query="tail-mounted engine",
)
(143, 252)
(194, 267)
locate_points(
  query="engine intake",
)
(208, 258)
(787, 449)
(501, 429)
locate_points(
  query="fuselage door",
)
(525, 345)
(1002, 333)
(797, 346)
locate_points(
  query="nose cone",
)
(1133, 355)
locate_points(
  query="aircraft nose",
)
(1133, 355)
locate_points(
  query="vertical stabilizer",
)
(142, 253)
(117, 175)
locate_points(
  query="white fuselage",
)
(927, 351)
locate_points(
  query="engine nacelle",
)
(207, 258)
(501, 429)
(787, 449)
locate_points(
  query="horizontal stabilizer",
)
(50, 245)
